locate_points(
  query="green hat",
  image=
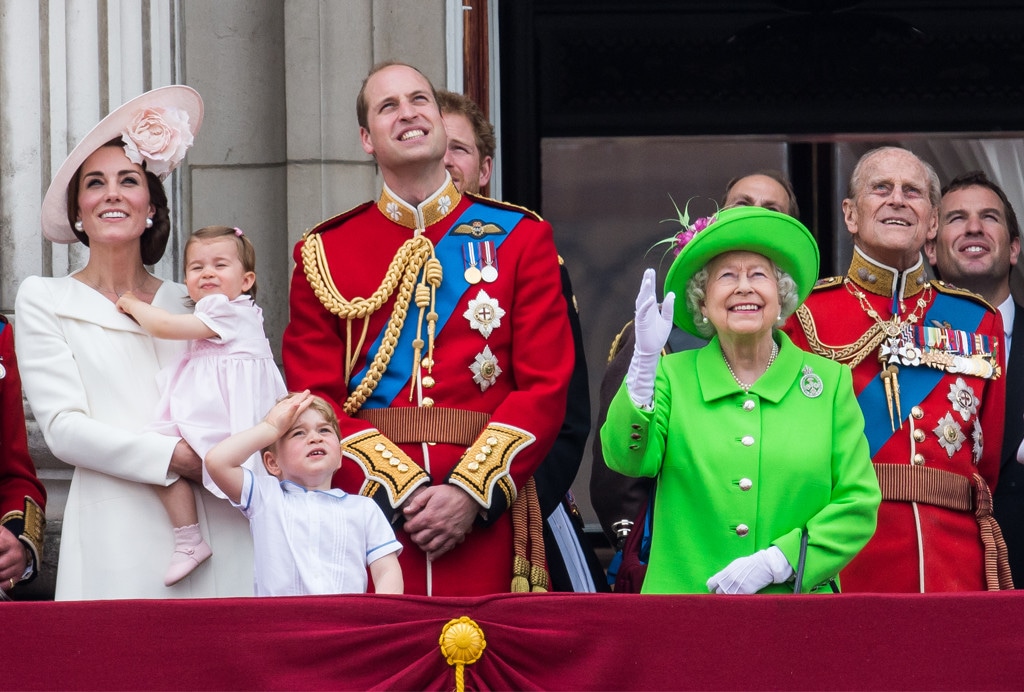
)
(779, 237)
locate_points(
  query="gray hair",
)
(696, 294)
(856, 184)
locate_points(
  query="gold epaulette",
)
(828, 282)
(483, 471)
(617, 341)
(385, 466)
(504, 205)
(950, 289)
(337, 220)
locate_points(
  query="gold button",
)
(473, 466)
(427, 363)
(919, 435)
(742, 530)
(917, 412)
(747, 440)
(379, 447)
(486, 449)
(492, 440)
(919, 459)
(394, 461)
(403, 467)
(387, 454)
(480, 456)
(427, 402)
(746, 484)
(428, 382)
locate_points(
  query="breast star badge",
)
(485, 369)
(961, 395)
(951, 437)
(484, 313)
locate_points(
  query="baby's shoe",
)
(190, 550)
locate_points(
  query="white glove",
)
(651, 328)
(747, 575)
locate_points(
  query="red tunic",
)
(918, 545)
(530, 343)
(21, 492)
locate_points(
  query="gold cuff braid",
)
(29, 526)
(487, 462)
(384, 464)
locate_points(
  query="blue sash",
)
(451, 290)
(915, 382)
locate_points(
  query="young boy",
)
(307, 537)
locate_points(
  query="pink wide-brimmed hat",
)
(158, 127)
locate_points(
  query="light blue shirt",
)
(312, 541)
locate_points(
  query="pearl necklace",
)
(743, 385)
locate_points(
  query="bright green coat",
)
(738, 472)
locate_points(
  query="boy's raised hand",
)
(285, 412)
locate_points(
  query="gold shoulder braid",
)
(416, 255)
(850, 354)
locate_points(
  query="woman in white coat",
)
(89, 371)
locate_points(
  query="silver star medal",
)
(810, 383)
(485, 369)
(961, 395)
(979, 441)
(951, 437)
(484, 313)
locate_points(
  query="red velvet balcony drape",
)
(541, 641)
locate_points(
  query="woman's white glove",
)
(747, 575)
(651, 328)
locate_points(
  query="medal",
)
(489, 272)
(484, 313)
(3, 370)
(811, 385)
(472, 273)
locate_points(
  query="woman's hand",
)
(651, 327)
(750, 574)
(186, 463)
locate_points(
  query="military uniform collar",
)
(429, 212)
(874, 277)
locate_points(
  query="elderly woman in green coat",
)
(757, 447)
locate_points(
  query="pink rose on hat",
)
(158, 136)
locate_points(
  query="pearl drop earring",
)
(78, 226)
(149, 222)
(704, 319)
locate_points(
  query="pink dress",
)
(221, 385)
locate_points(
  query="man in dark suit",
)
(977, 247)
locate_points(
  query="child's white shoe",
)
(190, 550)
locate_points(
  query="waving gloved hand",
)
(651, 327)
(750, 574)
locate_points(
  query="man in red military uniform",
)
(926, 368)
(435, 324)
(22, 496)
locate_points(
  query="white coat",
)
(89, 373)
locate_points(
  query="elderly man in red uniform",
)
(926, 368)
(22, 496)
(435, 324)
